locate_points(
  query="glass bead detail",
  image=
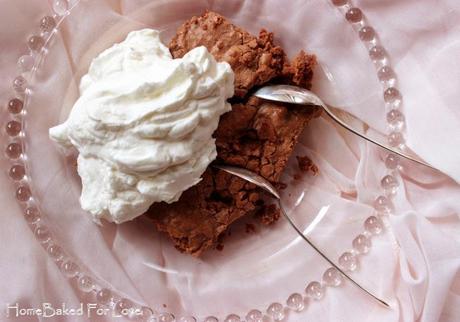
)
(35, 43)
(361, 244)
(13, 128)
(25, 63)
(15, 106)
(31, 215)
(42, 234)
(232, 318)
(123, 307)
(377, 53)
(395, 119)
(104, 296)
(254, 316)
(276, 311)
(354, 15)
(70, 269)
(23, 193)
(14, 150)
(17, 172)
(385, 73)
(166, 317)
(47, 24)
(20, 84)
(315, 290)
(366, 33)
(391, 95)
(55, 252)
(187, 319)
(60, 7)
(332, 277)
(392, 161)
(373, 225)
(348, 261)
(146, 314)
(383, 205)
(295, 302)
(395, 139)
(85, 283)
(211, 319)
(389, 184)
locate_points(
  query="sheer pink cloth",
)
(418, 273)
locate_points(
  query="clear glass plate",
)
(254, 269)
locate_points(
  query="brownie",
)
(306, 164)
(257, 134)
(255, 60)
(260, 135)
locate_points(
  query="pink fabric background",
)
(419, 274)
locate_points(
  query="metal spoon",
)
(267, 186)
(301, 96)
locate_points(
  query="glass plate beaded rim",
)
(107, 298)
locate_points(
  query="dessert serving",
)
(150, 122)
(143, 124)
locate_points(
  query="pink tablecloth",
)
(423, 39)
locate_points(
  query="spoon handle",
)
(333, 116)
(312, 245)
(266, 185)
(301, 96)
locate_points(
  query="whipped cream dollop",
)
(143, 124)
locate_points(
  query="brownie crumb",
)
(250, 228)
(299, 71)
(280, 185)
(269, 214)
(307, 165)
(220, 241)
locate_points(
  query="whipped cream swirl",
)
(143, 124)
